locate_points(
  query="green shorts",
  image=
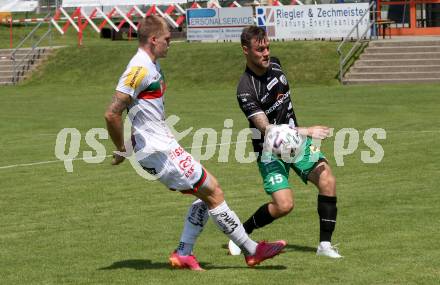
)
(275, 171)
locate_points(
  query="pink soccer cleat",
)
(265, 250)
(184, 262)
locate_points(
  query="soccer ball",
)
(282, 140)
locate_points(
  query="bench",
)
(385, 25)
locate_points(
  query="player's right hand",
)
(117, 158)
(122, 152)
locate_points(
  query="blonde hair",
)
(151, 26)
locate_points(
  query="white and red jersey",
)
(156, 149)
(144, 82)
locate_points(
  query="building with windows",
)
(411, 17)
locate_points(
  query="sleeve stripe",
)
(256, 113)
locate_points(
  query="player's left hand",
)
(318, 132)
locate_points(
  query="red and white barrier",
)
(234, 4)
(117, 13)
(174, 14)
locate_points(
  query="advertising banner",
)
(328, 21)
(217, 24)
(98, 3)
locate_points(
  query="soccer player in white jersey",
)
(141, 90)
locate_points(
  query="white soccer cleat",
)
(233, 248)
(325, 248)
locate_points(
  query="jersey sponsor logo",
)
(244, 94)
(187, 166)
(280, 100)
(184, 160)
(157, 77)
(280, 96)
(177, 152)
(265, 97)
(283, 79)
(272, 83)
(135, 76)
(185, 163)
(243, 97)
(250, 106)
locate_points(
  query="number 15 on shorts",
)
(276, 179)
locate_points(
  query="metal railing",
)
(343, 60)
(20, 66)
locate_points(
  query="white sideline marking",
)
(55, 161)
(40, 162)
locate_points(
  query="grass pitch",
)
(106, 225)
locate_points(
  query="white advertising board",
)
(98, 3)
(328, 21)
(217, 24)
(18, 6)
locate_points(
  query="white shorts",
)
(175, 168)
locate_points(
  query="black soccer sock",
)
(259, 219)
(327, 216)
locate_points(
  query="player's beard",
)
(163, 53)
(257, 65)
(262, 64)
(265, 63)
